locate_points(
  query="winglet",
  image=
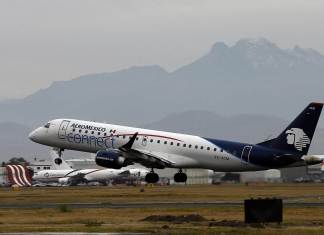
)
(129, 144)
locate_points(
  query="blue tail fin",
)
(297, 137)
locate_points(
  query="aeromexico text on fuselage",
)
(106, 141)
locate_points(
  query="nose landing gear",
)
(152, 177)
(180, 177)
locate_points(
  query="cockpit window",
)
(47, 125)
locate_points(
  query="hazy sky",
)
(42, 41)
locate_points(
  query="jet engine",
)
(111, 159)
(64, 180)
(313, 159)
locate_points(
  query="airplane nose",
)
(35, 135)
(32, 135)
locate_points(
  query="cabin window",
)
(151, 140)
(105, 134)
(178, 144)
(171, 143)
(73, 130)
(202, 147)
(86, 131)
(208, 148)
(136, 138)
(80, 131)
(158, 141)
(196, 146)
(124, 137)
(165, 142)
(184, 145)
(92, 132)
(215, 149)
(47, 125)
(189, 146)
(98, 133)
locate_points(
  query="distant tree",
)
(3, 164)
(17, 161)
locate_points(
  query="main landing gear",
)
(152, 177)
(180, 177)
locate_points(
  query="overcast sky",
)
(43, 41)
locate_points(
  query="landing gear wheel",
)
(152, 178)
(180, 177)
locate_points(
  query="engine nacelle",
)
(111, 159)
(313, 159)
(64, 180)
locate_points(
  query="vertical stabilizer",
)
(58, 162)
(297, 137)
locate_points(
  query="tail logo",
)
(298, 138)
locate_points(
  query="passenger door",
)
(245, 156)
(63, 127)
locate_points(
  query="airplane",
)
(119, 146)
(63, 174)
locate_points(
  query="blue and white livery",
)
(118, 146)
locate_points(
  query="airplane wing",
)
(79, 177)
(146, 158)
(76, 179)
(149, 159)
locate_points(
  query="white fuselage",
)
(90, 175)
(184, 151)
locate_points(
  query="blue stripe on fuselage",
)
(259, 155)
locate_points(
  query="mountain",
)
(255, 59)
(254, 76)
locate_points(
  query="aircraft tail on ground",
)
(297, 137)
(57, 162)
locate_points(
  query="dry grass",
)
(296, 220)
(226, 192)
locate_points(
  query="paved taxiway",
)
(150, 205)
(72, 233)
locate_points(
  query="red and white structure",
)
(18, 175)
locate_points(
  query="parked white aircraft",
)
(118, 146)
(65, 175)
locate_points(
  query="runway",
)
(150, 205)
(72, 233)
